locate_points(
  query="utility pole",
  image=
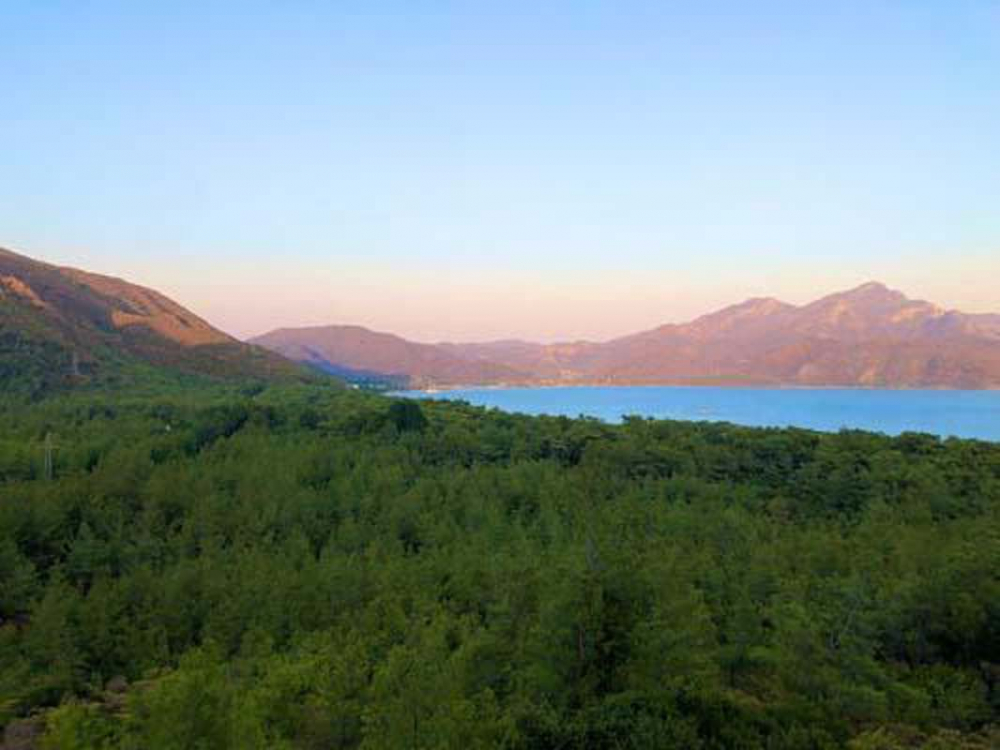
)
(49, 448)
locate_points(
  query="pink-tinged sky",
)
(520, 169)
(436, 304)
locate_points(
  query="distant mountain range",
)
(60, 326)
(868, 336)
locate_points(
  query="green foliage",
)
(302, 566)
(407, 416)
(78, 726)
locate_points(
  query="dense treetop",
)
(309, 567)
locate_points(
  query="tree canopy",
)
(306, 567)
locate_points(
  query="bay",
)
(969, 414)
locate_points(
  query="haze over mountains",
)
(869, 336)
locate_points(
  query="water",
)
(972, 414)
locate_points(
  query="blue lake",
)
(973, 414)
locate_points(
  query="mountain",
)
(868, 336)
(355, 352)
(60, 326)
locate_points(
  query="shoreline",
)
(945, 413)
(693, 386)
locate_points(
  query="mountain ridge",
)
(870, 335)
(62, 326)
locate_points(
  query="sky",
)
(471, 170)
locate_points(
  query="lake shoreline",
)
(693, 386)
(971, 414)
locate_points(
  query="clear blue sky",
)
(536, 169)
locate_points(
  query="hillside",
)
(354, 351)
(62, 326)
(868, 336)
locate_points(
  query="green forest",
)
(247, 566)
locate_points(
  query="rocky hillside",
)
(61, 326)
